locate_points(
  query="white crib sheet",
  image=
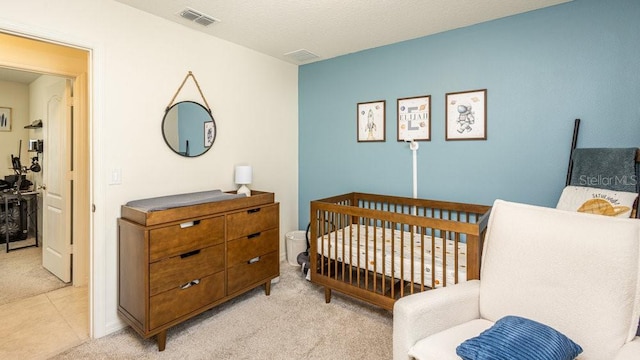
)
(331, 245)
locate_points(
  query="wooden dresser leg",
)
(267, 288)
(327, 295)
(161, 338)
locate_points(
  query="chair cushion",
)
(517, 338)
(630, 350)
(442, 346)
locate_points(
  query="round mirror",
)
(188, 128)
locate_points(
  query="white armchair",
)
(577, 273)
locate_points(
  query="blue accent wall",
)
(541, 69)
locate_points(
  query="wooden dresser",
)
(177, 263)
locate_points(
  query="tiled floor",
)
(44, 325)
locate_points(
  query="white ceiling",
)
(330, 28)
(17, 76)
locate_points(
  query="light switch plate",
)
(115, 177)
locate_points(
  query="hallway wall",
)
(15, 96)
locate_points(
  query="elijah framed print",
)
(414, 118)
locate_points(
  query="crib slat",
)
(350, 251)
(456, 257)
(444, 258)
(433, 258)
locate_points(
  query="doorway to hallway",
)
(22, 53)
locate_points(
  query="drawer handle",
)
(252, 211)
(190, 253)
(253, 235)
(190, 284)
(189, 224)
(254, 260)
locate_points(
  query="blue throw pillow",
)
(517, 338)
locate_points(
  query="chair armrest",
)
(420, 315)
(630, 350)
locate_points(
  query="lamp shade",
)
(244, 174)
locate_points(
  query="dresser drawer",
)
(251, 272)
(252, 221)
(181, 238)
(248, 247)
(178, 270)
(171, 305)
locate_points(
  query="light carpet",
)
(292, 323)
(22, 274)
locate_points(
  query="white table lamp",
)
(243, 177)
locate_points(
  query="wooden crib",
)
(379, 248)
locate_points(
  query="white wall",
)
(15, 96)
(139, 62)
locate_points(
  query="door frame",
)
(22, 49)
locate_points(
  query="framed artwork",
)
(5, 119)
(466, 115)
(371, 121)
(209, 133)
(414, 118)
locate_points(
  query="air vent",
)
(205, 20)
(197, 17)
(301, 55)
(190, 14)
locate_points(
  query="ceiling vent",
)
(197, 17)
(301, 55)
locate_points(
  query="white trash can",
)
(296, 243)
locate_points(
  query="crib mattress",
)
(343, 245)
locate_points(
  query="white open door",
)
(56, 171)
